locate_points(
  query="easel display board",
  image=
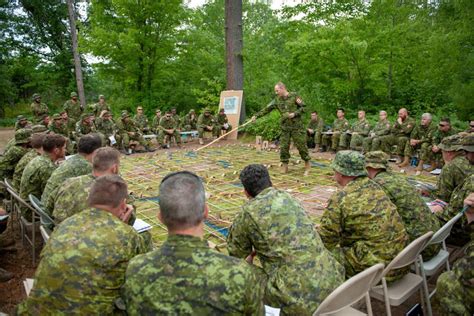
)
(231, 101)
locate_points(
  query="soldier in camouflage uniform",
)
(222, 122)
(37, 108)
(206, 123)
(11, 157)
(314, 131)
(399, 134)
(45, 120)
(77, 165)
(141, 121)
(456, 169)
(190, 121)
(455, 288)
(21, 122)
(416, 215)
(83, 264)
(339, 126)
(107, 127)
(168, 130)
(291, 108)
(38, 171)
(130, 132)
(156, 122)
(99, 107)
(420, 138)
(70, 124)
(73, 108)
(360, 225)
(373, 141)
(176, 118)
(185, 276)
(432, 150)
(274, 227)
(85, 126)
(359, 131)
(37, 150)
(58, 126)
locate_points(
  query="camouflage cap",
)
(221, 110)
(36, 95)
(158, 111)
(85, 115)
(21, 118)
(376, 159)
(22, 136)
(73, 94)
(451, 143)
(124, 114)
(56, 116)
(206, 109)
(349, 163)
(468, 142)
(39, 128)
(101, 96)
(192, 111)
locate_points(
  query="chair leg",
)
(368, 304)
(425, 289)
(422, 299)
(385, 295)
(33, 237)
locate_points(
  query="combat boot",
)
(201, 142)
(316, 148)
(149, 149)
(307, 167)
(5, 275)
(432, 167)
(420, 166)
(284, 168)
(405, 162)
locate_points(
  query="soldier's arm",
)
(266, 109)
(238, 241)
(366, 129)
(254, 292)
(299, 106)
(445, 184)
(330, 229)
(383, 131)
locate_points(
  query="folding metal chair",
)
(47, 223)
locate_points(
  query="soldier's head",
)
(348, 165)
(74, 96)
(173, 111)
(88, 144)
(64, 115)
(107, 116)
(37, 97)
(101, 99)
(314, 116)
(45, 119)
(139, 110)
(468, 147)
(86, 118)
(222, 111)
(382, 115)
(23, 137)
(451, 147)
(106, 160)
(37, 141)
(22, 121)
(158, 113)
(255, 178)
(168, 114)
(57, 120)
(207, 112)
(125, 116)
(280, 89)
(375, 162)
(55, 146)
(109, 193)
(471, 126)
(403, 113)
(340, 113)
(180, 214)
(361, 115)
(444, 124)
(426, 119)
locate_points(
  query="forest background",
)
(357, 54)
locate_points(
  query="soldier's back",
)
(71, 197)
(20, 167)
(452, 175)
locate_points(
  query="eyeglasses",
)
(442, 125)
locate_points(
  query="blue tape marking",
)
(224, 231)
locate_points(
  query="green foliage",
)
(268, 127)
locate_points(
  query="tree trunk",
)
(75, 51)
(234, 45)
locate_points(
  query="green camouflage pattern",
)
(417, 216)
(451, 143)
(9, 160)
(422, 133)
(20, 167)
(339, 126)
(190, 121)
(73, 109)
(435, 139)
(452, 175)
(360, 129)
(186, 277)
(141, 122)
(22, 136)
(317, 126)
(75, 166)
(300, 271)
(71, 197)
(106, 127)
(399, 134)
(349, 163)
(84, 129)
(177, 121)
(168, 124)
(83, 266)
(204, 121)
(38, 110)
(129, 131)
(156, 124)
(97, 108)
(376, 159)
(60, 130)
(361, 227)
(221, 120)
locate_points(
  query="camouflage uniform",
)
(338, 127)
(11, 157)
(98, 108)
(399, 134)
(129, 127)
(71, 197)
(83, 266)
(177, 121)
(20, 166)
(291, 128)
(300, 271)
(73, 109)
(204, 121)
(361, 225)
(60, 130)
(165, 124)
(221, 120)
(416, 215)
(373, 141)
(156, 124)
(34, 178)
(108, 128)
(436, 137)
(21, 122)
(71, 126)
(142, 123)
(84, 129)
(422, 133)
(360, 130)
(190, 121)
(38, 110)
(186, 277)
(317, 126)
(75, 166)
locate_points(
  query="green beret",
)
(349, 163)
(376, 160)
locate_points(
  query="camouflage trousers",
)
(389, 140)
(313, 139)
(215, 131)
(372, 143)
(188, 128)
(222, 128)
(424, 151)
(299, 139)
(452, 297)
(354, 141)
(331, 140)
(162, 135)
(126, 138)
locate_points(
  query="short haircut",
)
(37, 140)
(88, 143)
(108, 190)
(52, 141)
(104, 158)
(340, 109)
(384, 112)
(445, 119)
(255, 178)
(427, 116)
(280, 85)
(182, 200)
(314, 112)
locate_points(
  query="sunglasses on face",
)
(442, 125)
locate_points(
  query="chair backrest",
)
(408, 255)
(8, 184)
(22, 202)
(444, 231)
(45, 219)
(350, 291)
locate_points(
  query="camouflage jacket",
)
(38, 109)
(403, 129)
(97, 108)
(361, 127)
(71, 197)
(106, 127)
(9, 160)
(437, 136)
(416, 215)
(381, 128)
(204, 121)
(20, 166)
(74, 110)
(71, 125)
(186, 277)
(141, 122)
(128, 127)
(361, 226)
(340, 125)
(62, 130)
(83, 129)
(177, 121)
(83, 266)
(190, 121)
(222, 119)
(452, 175)
(75, 166)
(300, 271)
(156, 123)
(286, 105)
(423, 133)
(316, 126)
(167, 123)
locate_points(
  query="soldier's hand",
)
(299, 101)
(250, 257)
(436, 208)
(399, 120)
(125, 215)
(291, 115)
(310, 131)
(254, 118)
(435, 149)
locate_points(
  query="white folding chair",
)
(394, 294)
(47, 223)
(339, 301)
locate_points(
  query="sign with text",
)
(231, 102)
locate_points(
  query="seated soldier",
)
(274, 227)
(433, 151)
(206, 123)
(130, 132)
(141, 121)
(359, 131)
(190, 121)
(11, 157)
(361, 225)
(416, 215)
(45, 120)
(100, 106)
(314, 131)
(37, 150)
(106, 126)
(168, 131)
(77, 165)
(83, 264)
(420, 138)
(85, 125)
(382, 128)
(222, 123)
(176, 119)
(155, 126)
(399, 134)
(58, 126)
(185, 276)
(21, 122)
(339, 126)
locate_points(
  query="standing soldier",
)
(291, 108)
(37, 108)
(21, 122)
(168, 130)
(73, 107)
(359, 131)
(190, 121)
(141, 120)
(100, 106)
(129, 131)
(156, 122)
(433, 151)
(399, 134)
(206, 123)
(382, 128)
(314, 131)
(339, 126)
(223, 122)
(106, 126)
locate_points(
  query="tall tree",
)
(75, 51)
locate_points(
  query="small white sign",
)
(112, 140)
(231, 104)
(271, 311)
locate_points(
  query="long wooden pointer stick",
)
(217, 139)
